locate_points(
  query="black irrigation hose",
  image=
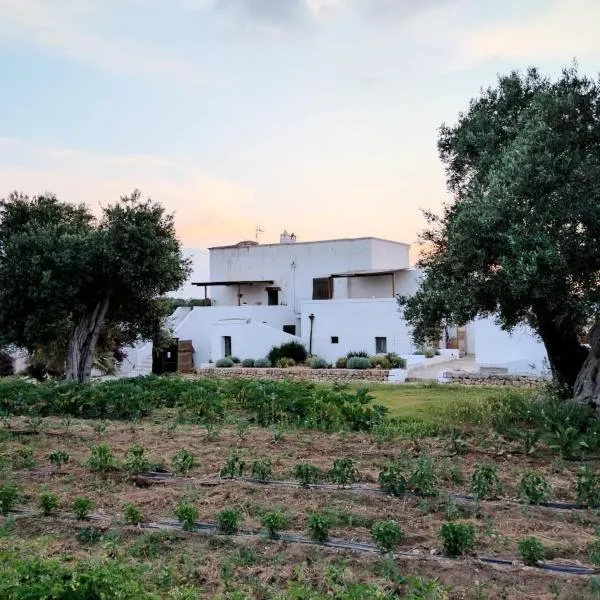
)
(339, 544)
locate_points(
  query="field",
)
(450, 457)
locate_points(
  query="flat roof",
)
(369, 272)
(209, 283)
(313, 242)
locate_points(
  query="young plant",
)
(343, 472)
(186, 514)
(306, 474)
(262, 469)
(81, 508)
(422, 478)
(274, 521)
(47, 503)
(531, 550)
(133, 514)
(318, 525)
(101, 459)
(135, 461)
(229, 520)
(392, 480)
(58, 458)
(9, 496)
(387, 535)
(234, 466)
(25, 458)
(183, 462)
(485, 484)
(457, 538)
(588, 488)
(242, 429)
(534, 488)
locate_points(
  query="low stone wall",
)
(527, 381)
(302, 374)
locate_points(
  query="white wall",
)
(519, 352)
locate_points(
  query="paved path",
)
(429, 370)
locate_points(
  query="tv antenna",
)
(258, 231)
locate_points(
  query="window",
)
(322, 288)
(380, 345)
(335, 339)
(273, 297)
(226, 345)
(291, 329)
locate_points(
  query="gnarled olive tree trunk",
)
(82, 345)
(587, 386)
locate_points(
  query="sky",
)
(315, 116)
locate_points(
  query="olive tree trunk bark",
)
(82, 345)
(587, 386)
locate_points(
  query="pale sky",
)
(315, 116)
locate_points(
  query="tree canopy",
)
(519, 239)
(67, 279)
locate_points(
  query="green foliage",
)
(274, 521)
(262, 363)
(89, 535)
(429, 352)
(294, 350)
(7, 368)
(82, 507)
(224, 363)
(58, 458)
(534, 488)
(25, 458)
(248, 363)
(306, 474)
(380, 361)
(47, 502)
(593, 551)
(136, 461)
(587, 487)
(392, 479)
(186, 514)
(318, 525)
(358, 362)
(340, 363)
(183, 462)
(229, 520)
(457, 538)
(235, 360)
(152, 545)
(531, 550)
(422, 479)
(101, 459)
(357, 354)
(234, 465)
(285, 363)
(316, 362)
(343, 471)
(485, 484)
(396, 362)
(262, 469)
(133, 514)
(9, 496)
(387, 535)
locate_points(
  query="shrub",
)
(593, 552)
(485, 484)
(294, 350)
(422, 478)
(81, 507)
(392, 480)
(380, 361)
(316, 362)
(274, 521)
(89, 535)
(457, 538)
(262, 469)
(429, 352)
(357, 354)
(531, 550)
(235, 360)
(358, 362)
(306, 474)
(186, 514)
(534, 488)
(7, 367)
(9, 495)
(101, 459)
(234, 465)
(587, 487)
(248, 363)
(58, 457)
(224, 363)
(318, 525)
(340, 363)
(386, 534)
(135, 461)
(284, 363)
(343, 471)
(229, 520)
(262, 363)
(396, 362)
(133, 514)
(47, 503)
(183, 462)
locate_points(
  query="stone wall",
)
(528, 381)
(304, 374)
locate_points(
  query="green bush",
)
(47, 502)
(316, 362)
(587, 487)
(429, 352)
(224, 363)
(392, 480)
(294, 350)
(229, 520)
(343, 471)
(422, 479)
(262, 363)
(396, 362)
(234, 465)
(380, 361)
(262, 469)
(248, 363)
(318, 525)
(285, 363)
(534, 488)
(58, 458)
(387, 535)
(274, 521)
(485, 484)
(82, 507)
(306, 474)
(135, 460)
(133, 514)
(358, 362)
(340, 363)
(9, 496)
(357, 354)
(457, 538)
(235, 360)
(101, 459)
(593, 552)
(531, 550)
(186, 514)
(183, 462)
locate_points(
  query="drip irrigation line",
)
(336, 543)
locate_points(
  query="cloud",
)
(397, 10)
(279, 12)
